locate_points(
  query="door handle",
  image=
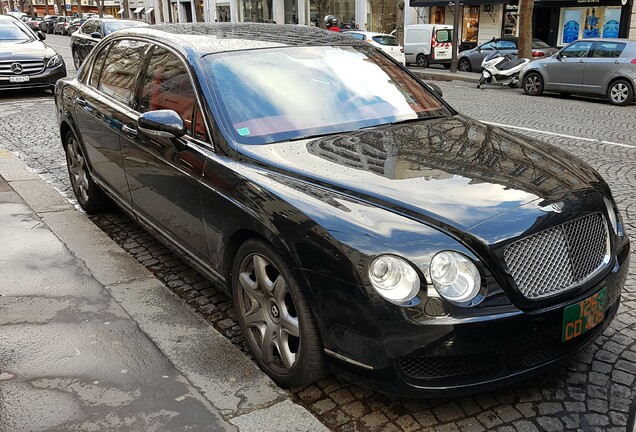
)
(129, 130)
(581, 61)
(81, 101)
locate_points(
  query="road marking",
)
(560, 135)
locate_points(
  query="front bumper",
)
(45, 79)
(465, 356)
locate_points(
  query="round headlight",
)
(394, 279)
(455, 276)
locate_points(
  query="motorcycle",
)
(501, 69)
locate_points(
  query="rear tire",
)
(422, 61)
(620, 93)
(274, 316)
(464, 65)
(88, 194)
(533, 84)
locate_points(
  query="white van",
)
(426, 44)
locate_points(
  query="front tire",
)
(422, 61)
(464, 65)
(275, 318)
(620, 93)
(533, 84)
(88, 194)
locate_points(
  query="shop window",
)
(438, 15)
(510, 21)
(471, 24)
(587, 22)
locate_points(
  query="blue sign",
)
(68, 7)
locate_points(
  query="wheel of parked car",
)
(274, 316)
(422, 61)
(533, 84)
(464, 65)
(77, 62)
(620, 93)
(88, 194)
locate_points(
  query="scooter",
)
(501, 69)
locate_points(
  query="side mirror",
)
(438, 91)
(96, 35)
(41, 35)
(161, 123)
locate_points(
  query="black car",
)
(92, 31)
(358, 221)
(25, 60)
(47, 23)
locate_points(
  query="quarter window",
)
(167, 85)
(120, 70)
(608, 49)
(98, 65)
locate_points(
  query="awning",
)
(138, 10)
(427, 3)
(149, 10)
(120, 11)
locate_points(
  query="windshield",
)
(110, 27)
(293, 93)
(14, 32)
(492, 55)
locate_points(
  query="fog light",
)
(455, 276)
(394, 279)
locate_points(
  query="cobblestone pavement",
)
(592, 392)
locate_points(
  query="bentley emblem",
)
(275, 311)
(554, 207)
(16, 68)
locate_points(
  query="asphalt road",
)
(593, 392)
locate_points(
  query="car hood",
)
(454, 173)
(24, 50)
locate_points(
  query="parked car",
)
(357, 220)
(47, 24)
(25, 60)
(75, 24)
(387, 43)
(426, 44)
(34, 24)
(595, 67)
(470, 60)
(61, 25)
(92, 31)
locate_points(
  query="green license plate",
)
(584, 315)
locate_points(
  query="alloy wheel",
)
(619, 93)
(533, 85)
(77, 168)
(463, 65)
(269, 313)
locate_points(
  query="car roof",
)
(207, 38)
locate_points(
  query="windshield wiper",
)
(418, 119)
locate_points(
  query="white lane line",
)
(559, 134)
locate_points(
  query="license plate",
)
(18, 79)
(584, 315)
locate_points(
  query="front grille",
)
(559, 258)
(29, 66)
(440, 367)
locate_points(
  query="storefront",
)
(560, 22)
(480, 21)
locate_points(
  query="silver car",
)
(470, 60)
(597, 67)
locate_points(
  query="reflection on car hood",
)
(24, 50)
(452, 171)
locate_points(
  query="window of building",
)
(470, 31)
(438, 15)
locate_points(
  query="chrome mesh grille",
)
(559, 258)
(29, 66)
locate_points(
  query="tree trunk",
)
(11, 6)
(32, 8)
(46, 7)
(399, 18)
(126, 9)
(525, 28)
(79, 8)
(100, 8)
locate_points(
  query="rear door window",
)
(608, 49)
(119, 74)
(444, 36)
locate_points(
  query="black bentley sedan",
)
(92, 31)
(25, 60)
(358, 221)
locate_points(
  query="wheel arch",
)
(620, 78)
